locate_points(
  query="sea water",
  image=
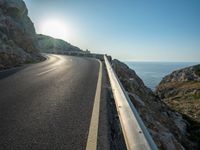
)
(152, 72)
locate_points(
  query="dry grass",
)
(181, 85)
(188, 106)
(187, 103)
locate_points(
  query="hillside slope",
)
(49, 44)
(181, 91)
(18, 42)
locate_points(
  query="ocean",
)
(152, 72)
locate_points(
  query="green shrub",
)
(196, 96)
(197, 70)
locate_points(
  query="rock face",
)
(183, 75)
(48, 44)
(18, 43)
(168, 128)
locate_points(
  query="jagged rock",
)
(18, 42)
(183, 75)
(167, 127)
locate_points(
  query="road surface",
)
(48, 105)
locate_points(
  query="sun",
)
(56, 28)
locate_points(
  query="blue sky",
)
(139, 30)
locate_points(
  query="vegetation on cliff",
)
(180, 90)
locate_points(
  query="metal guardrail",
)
(135, 133)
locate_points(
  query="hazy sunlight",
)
(56, 28)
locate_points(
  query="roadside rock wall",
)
(18, 42)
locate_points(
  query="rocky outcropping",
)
(48, 44)
(18, 42)
(183, 75)
(167, 127)
(181, 91)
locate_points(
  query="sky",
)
(130, 30)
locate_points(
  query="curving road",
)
(48, 105)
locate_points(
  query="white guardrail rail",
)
(135, 133)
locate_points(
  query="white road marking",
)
(44, 72)
(94, 123)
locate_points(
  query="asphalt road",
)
(48, 105)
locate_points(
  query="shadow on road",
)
(9, 72)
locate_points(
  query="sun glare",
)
(56, 28)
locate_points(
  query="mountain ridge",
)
(53, 45)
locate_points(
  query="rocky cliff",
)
(180, 90)
(48, 44)
(168, 128)
(18, 42)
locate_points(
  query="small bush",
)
(197, 70)
(196, 96)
